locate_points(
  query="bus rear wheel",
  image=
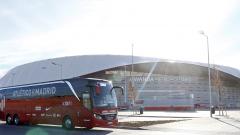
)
(67, 123)
(16, 120)
(8, 119)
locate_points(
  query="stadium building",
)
(156, 84)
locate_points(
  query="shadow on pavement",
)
(139, 124)
(227, 123)
(237, 120)
(49, 130)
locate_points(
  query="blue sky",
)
(43, 29)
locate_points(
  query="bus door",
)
(86, 111)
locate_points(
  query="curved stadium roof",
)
(73, 66)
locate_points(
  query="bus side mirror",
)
(117, 87)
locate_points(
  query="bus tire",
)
(16, 119)
(8, 119)
(68, 123)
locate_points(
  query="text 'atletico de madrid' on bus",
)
(70, 102)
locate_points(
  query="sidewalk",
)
(234, 114)
(198, 122)
(200, 126)
(125, 116)
(232, 118)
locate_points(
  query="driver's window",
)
(86, 100)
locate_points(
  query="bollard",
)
(212, 110)
(141, 110)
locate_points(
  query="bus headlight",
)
(97, 116)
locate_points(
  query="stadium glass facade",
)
(172, 86)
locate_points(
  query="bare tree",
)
(218, 84)
(132, 94)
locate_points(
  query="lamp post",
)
(60, 65)
(132, 77)
(209, 74)
(125, 85)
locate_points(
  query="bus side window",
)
(86, 100)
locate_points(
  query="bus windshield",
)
(103, 96)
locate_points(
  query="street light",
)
(209, 73)
(60, 65)
(125, 84)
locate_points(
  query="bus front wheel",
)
(67, 123)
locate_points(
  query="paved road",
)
(192, 125)
(195, 126)
(48, 130)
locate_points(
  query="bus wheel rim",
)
(68, 123)
(16, 121)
